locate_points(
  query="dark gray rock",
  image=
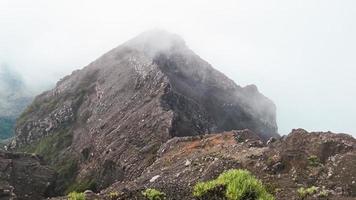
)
(23, 176)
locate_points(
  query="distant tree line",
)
(7, 125)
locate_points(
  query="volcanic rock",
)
(275, 164)
(23, 176)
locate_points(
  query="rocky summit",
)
(150, 119)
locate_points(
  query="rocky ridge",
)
(152, 114)
(301, 159)
(106, 122)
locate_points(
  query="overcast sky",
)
(300, 53)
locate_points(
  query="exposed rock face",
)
(22, 176)
(111, 117)
(284, 165)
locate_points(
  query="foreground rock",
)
(22, 176)
(106, 122)
(324, 160)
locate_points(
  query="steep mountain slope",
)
(106, 122)
(14, 98)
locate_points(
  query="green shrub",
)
(50, 146)
(113, 195)
(304, 192)
(153, 194)
(67, 169)
(314, 161)
(323, 193)
(76, 196)
(239, 184)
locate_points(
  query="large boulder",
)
(23, 176)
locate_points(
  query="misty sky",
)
(300, 53)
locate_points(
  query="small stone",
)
(278, 167)
(153, 179)
(271, 140)
(187, 163)
(6, 192)
(88, 192)
(338, 190)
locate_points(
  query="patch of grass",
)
(304, 192)
(323, 193)
(153, 194)
(270, 161)
(314, 161)
(52, 149)
(35, 105)
(113, 195)
(67, 169)
(50, 146)
(239, 184)
(76, 196)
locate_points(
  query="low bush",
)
(314, 161)
(153, 194)
(304, 192)
(238, 184)
(76, 196)
(323, 193)
(113, 195)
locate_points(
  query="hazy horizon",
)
(300, 54)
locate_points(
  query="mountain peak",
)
(155, 41)
(122, 107)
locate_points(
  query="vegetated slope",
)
(14, 98)
(7, 125)
(106, 122)
(321, 163)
